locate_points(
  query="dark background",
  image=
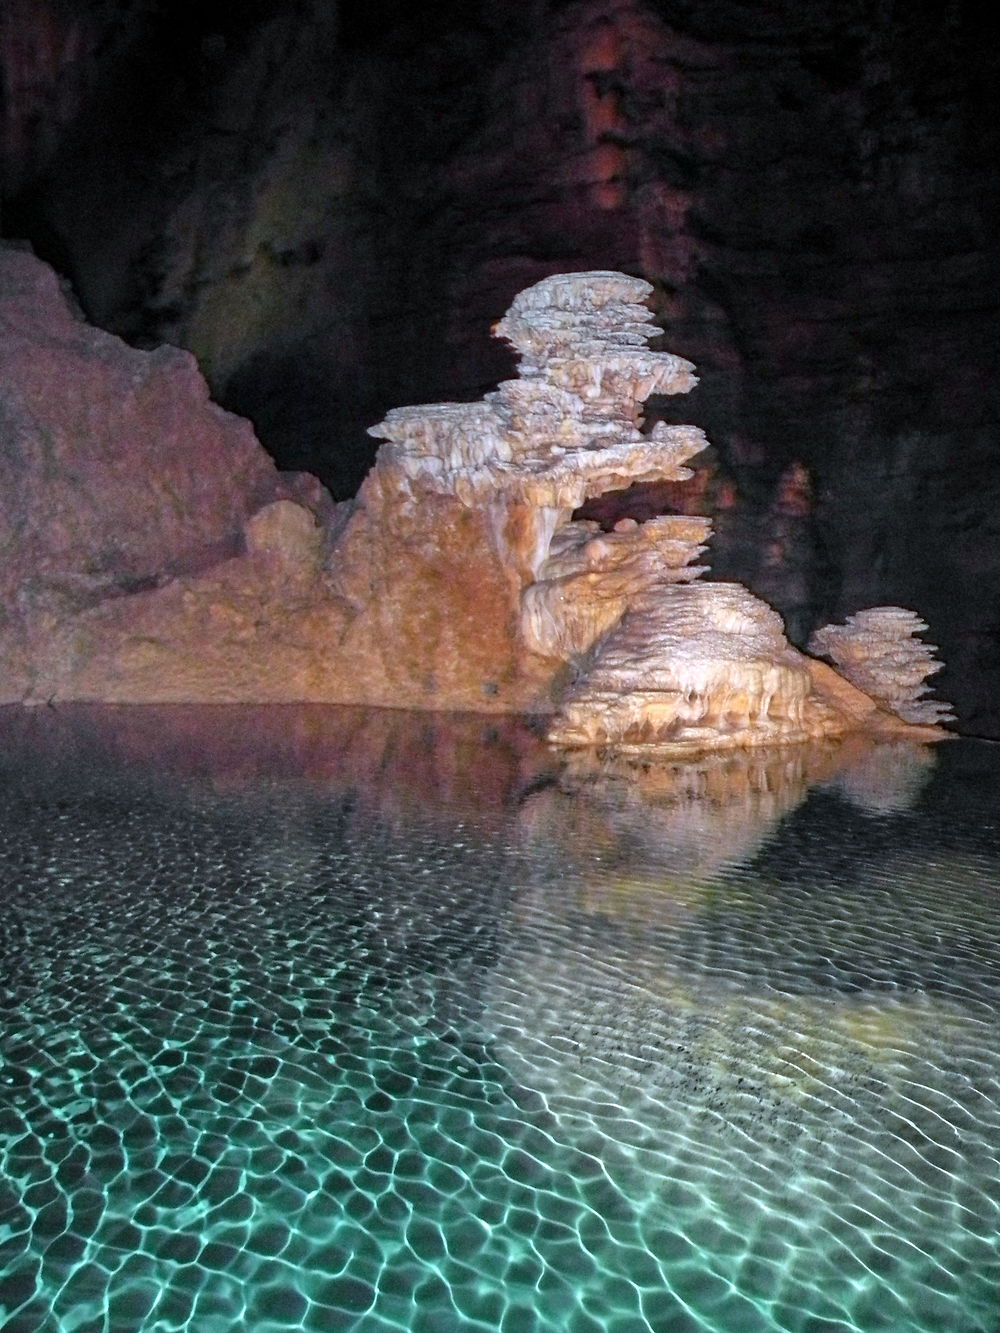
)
(330, 204)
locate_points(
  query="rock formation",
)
(459, 579)
(122, 487)
(537, 449)
(810, 188)
(706, 664)
(117, 470)
(878, 651)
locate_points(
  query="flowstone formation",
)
(879, 652)
(706, 664)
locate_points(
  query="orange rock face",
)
(118, 477)
(429, 606)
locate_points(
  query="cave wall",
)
(330, 204)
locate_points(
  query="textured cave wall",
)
(331, 204)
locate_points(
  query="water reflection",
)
(402, 764)
(395, 763)
(324, 1018)
(697, 817)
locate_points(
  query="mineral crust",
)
(879, 652)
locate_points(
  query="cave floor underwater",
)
(330, 1019)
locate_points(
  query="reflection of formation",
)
(887, 780)
(321, 823)
(604, 937)
(641, 968)
(652, 972)
(390, 764)
(654, 958)
(683, 818)
(696, 816)
(692, 814)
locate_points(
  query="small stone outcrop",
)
(878, 651)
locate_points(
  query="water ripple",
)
(273, 1061)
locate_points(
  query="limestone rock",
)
(286, 531)
(456, 580)
(151, 549)
(589, 578)
(466, 521)
(116, 470)
(878, 651)
(155, 556)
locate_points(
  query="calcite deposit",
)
(154, 555)
(878, 651)
(533, 452)
(703, 664)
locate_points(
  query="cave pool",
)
(337, 1019)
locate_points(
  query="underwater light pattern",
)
(275, 1059)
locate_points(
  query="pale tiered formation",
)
(566, 430)
(704, 666)
(636, 652)
(879, 652)
(664, 660)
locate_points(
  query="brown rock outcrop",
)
(115, 469)
(118, 477)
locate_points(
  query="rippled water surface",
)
(327, 1020)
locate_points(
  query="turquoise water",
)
(325, 1020)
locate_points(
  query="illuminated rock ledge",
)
(458, 579)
